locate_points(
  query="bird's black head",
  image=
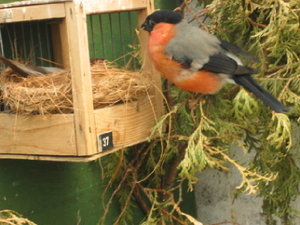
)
(162, 16)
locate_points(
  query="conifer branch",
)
(172, 171)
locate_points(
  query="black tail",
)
(250, 84)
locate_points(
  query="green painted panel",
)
(111, 36)
(7, 1)
(166, 4)
(52, 193)
(28, 41)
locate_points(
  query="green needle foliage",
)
(270, 31)
(197, 132)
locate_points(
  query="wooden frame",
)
(74, 137)
(50, 9)
(53, 137)
(28, 13)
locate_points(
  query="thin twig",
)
(174, 217)
(128, 171)
(183, 5)
(225, 136)
(175, 205)
(172, 172)
(51, 61)
(125, 206)
(138, 197)
(113, 195)
(169, 97)
(197, 17)
(257, 24)
(226, 222)
(202, 12)
(269, 72)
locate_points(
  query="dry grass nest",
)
(9, 217)
(52, 93)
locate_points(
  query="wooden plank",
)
(130, 123)
(106, 6)
(50, 158)
(52, 137)
(32, 2)
(36, 12)
(79, 61)
(45, 135)
(55, 158)
(60, 44)
(147, 64)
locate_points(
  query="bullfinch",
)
(197, 61)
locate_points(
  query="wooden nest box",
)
(87, 133)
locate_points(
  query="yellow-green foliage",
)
(270, 30)
(197, 131)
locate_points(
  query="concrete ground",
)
(217, 203)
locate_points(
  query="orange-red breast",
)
(197, 61)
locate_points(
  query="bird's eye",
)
(151, 22)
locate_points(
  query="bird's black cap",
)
(161, 16)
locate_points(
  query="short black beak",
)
(147, 26)
(144, 26)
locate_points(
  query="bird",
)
(28, 70)
(197, 61)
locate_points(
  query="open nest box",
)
(98, 108)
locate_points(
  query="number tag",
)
(105, 141)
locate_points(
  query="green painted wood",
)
(52, 193)
(166, 4)
(28, 41)
(7, 1)
(112, 36)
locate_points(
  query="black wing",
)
(237, 50)
(220, 63)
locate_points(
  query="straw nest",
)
(52, 93)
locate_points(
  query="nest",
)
(52, 93)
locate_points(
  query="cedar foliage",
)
(197, 131)
(270, 30)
